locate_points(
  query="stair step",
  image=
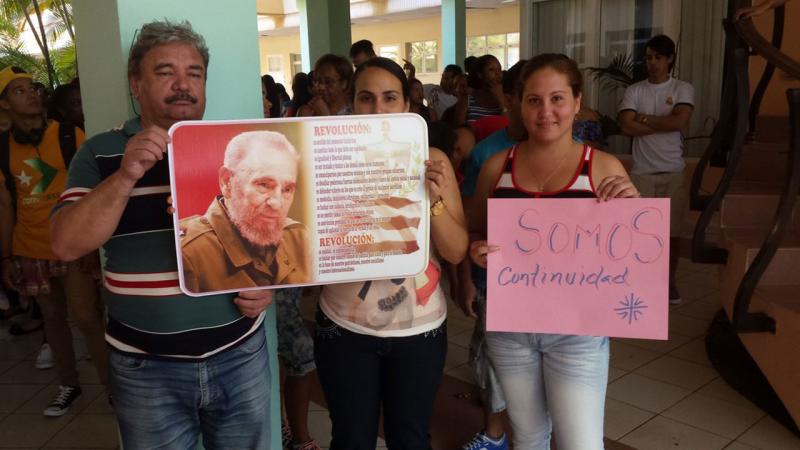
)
(744, 244)
(762, 148)
(772, 129)
(780, 301)
(753, 206)
(776, 353)
(763, 165)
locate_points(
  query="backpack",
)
(66, 140)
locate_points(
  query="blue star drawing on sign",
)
(631, 309)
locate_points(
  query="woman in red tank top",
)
(550, 381)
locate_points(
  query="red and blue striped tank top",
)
(580, 186)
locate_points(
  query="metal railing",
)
(737, 116)
(769, 70)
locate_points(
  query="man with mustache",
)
(182, 368)
(246, 239)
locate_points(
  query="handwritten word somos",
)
(635, 238)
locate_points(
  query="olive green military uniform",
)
(216, 257)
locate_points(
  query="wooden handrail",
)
(748, 33)
(743, 320)
(779, 18)
(737, 93)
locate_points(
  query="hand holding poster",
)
(265, 203)
(576, 266)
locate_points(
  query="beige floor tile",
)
(463, 372)
(719, 389)
(714, 415)
(768, 434)
(615, 373)
(461, 339)
(99, 405)
(19, 348)
(39, 402)
(457, 322)
(30, 430)
(665, 434)
(320, 426)
(694, 351)
(691, 290)
(703, 309)
(703, 278)
(456, 356)
(678, 372)
(26, 373)
(646, 393)
(739, 446)
(622, 418)
(93, 431)
(629, 357)
(659, 346)
(7, 364)
(687, 326)
(12, 396)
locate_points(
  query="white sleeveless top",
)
(388, 308)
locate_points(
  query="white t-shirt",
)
(438, 99)
(659, 152)
(388, 308)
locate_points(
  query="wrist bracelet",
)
(437, 207)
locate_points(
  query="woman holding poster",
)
(549, 380)
(381, 344)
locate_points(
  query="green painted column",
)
(104, 32)
(454, 32)
(324, 28)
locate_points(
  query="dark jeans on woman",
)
(360, 374)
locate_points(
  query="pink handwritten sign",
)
(575, 266)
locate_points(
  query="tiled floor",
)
(661, 394)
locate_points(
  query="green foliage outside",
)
(51, 19)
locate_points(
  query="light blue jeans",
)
(552, 381)
(170, 404)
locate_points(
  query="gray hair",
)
(242, 144)
(157, 33)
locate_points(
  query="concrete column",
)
(104, 32)
(454, 32)
(324, 28)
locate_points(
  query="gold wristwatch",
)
(437, 207)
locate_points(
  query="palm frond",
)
(618, 74)
(13, 55)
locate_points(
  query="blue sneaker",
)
(483, 442)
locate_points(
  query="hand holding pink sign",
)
(573, 266)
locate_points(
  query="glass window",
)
(424, 55)
(297, 63)
(504, 47)
(390, 51)
(275, 67)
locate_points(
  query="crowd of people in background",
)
(517, 133)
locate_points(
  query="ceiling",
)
(280, 17)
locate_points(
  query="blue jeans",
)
(552, 381)
(169, 404)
